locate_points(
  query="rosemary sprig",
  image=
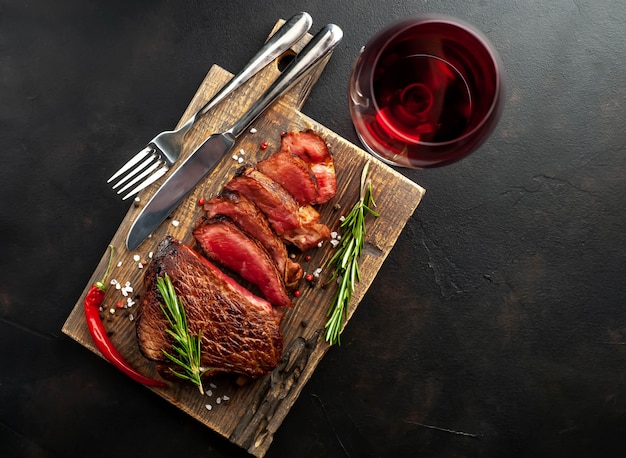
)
(186, 346)
(345, 260)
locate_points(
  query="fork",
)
(152, 162)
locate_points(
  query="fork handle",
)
(289, 34)
(319, 47)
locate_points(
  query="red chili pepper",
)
(263, 145)
(92, 304)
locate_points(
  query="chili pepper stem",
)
(101, 285)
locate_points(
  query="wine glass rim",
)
(471, 30)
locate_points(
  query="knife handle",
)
(319, 47)
(289, 34)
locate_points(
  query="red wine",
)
(422, 98)
(426, 92)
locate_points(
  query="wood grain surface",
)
(249, 415)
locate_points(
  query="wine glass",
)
(426, 91)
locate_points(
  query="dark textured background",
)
(496, 326)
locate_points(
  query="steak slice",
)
(240, 331)
(294, 223)
(223, 242)
(251, 220)
(312, 149)
(293, 174)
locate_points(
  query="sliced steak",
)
(312, 149)
(223, 242)
(240, 331)
(294, 223)
(251, 220)
(293, 174)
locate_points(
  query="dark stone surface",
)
(497, 324)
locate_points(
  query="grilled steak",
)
(223, 242)
(312, 149)
(250, 219)
(294, 223)
(240, 331)
(293, 174)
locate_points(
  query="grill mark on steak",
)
(240, 331)
(294, 223)
(247, 216)
(223, 242)
(312, 149)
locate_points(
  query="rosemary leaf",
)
(345, 260)
(186, 347)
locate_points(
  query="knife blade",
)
(204, 159)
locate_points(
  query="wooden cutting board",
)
(250, 415)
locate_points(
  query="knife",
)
(200, 163)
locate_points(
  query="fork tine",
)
(155, 176)
(140, 176)
(149, 164)
(135, 159)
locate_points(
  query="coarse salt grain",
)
(208, 406)
(235, 157)
(319, 245)
(333, 234)
(242, 152)
(119, 264)
(112, 311)
(136, 258)
(342, 218)
(175, 223)
(225, 398)
(131, 317)
(150, 255)
(218, 400)
(140, 265)
(253, 131)
(240, 160)
(209, 393)
(213, 385)
(334, 242)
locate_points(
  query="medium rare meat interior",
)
(222, 241)
(247, 216)
(312, 149)
(295, 223)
